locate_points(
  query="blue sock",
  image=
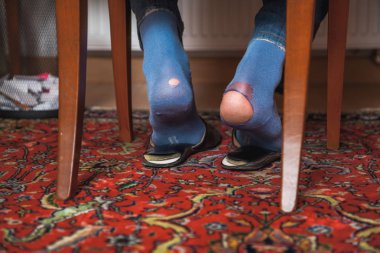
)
(173, 114)
(256, 78)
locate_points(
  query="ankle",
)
(235, 109)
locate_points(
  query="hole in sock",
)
(235, 109)
(173, 82)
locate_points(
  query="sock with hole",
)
(256, 78)
(173, 114)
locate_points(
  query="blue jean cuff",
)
(269, 37)
(152, 10)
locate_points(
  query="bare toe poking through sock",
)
(235, 108)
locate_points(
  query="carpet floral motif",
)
(121, 206)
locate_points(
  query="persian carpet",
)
(122, 206)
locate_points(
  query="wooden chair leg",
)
(120, 20)
(300, 16)
(72, 54)
(337, 37)
(13, 32)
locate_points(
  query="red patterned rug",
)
(198, 207)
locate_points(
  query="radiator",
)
(226, 25)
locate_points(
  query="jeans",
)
(270, 22)
(142, 8)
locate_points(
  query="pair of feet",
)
(247, 105)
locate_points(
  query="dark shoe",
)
(249, 157)
(165, 156)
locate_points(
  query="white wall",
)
(226, 25)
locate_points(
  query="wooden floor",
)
(212, 74)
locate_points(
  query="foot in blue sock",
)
(173, 115)
(248, 103)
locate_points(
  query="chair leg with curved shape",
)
(300, 16)
(72, 54)
(13, 33)
(120, 20)
(337, 37)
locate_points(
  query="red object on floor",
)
(122, 206)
